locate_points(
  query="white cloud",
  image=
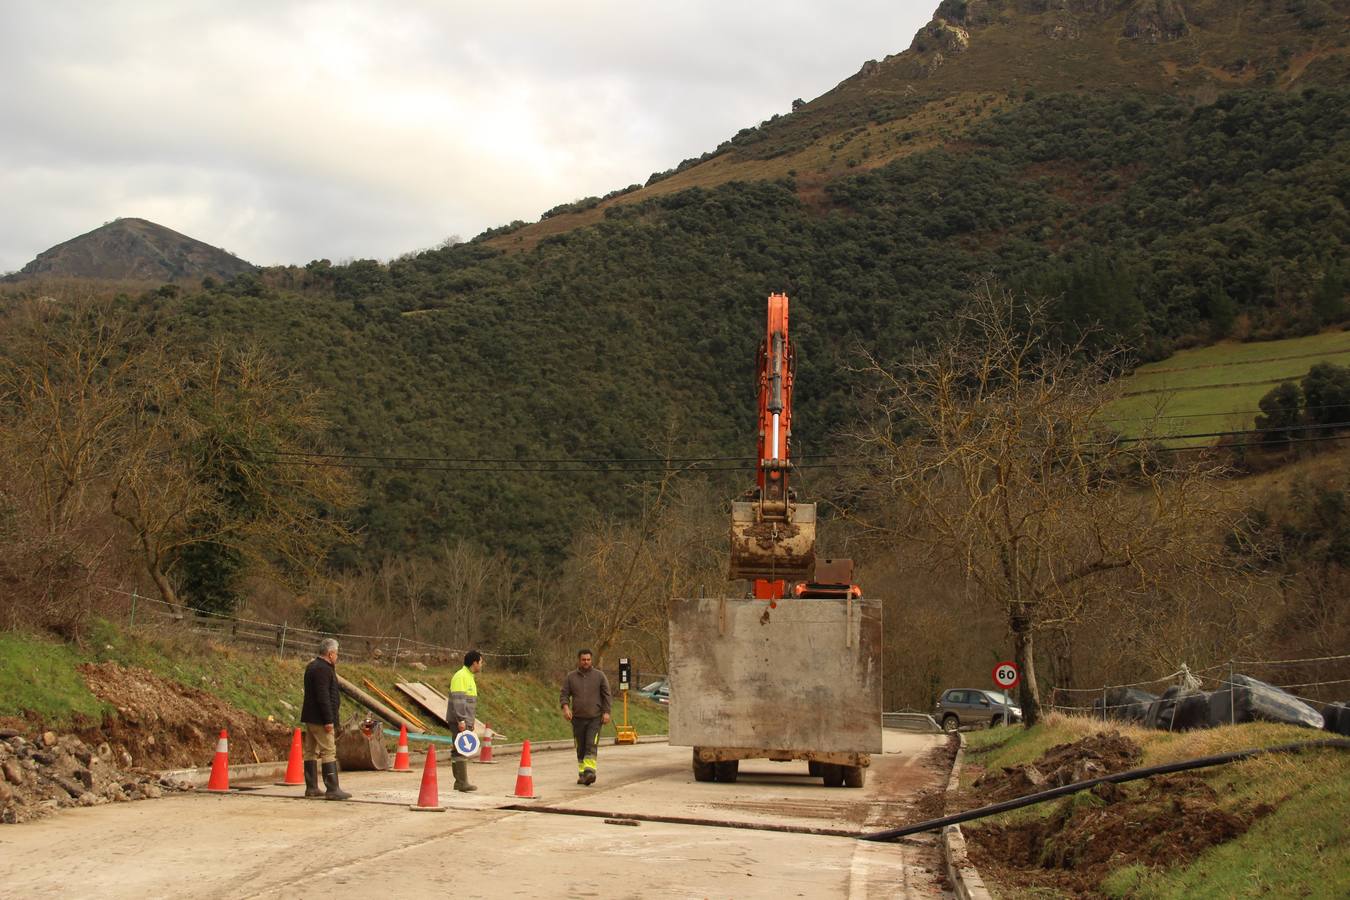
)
(288, 131)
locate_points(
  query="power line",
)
(1205, 434)
(1234, 412)
(377, 462)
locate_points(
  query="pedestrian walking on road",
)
(460, 714)
(319, 714)
(585, 703)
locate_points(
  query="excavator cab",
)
(773, 538)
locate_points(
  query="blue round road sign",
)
(467, 743)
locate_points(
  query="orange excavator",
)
(773, 537)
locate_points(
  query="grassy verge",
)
(38, 677)
(39, 681)
(1300, 847)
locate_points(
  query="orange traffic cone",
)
(220, 766)
(295, 764)
(429, 799)
(401, 763)
(525, 776)
(485, 750)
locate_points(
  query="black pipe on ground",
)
(1118, 778)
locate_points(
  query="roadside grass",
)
(1301, 848)
(39, 676)
(38, 679)
(1217, 388)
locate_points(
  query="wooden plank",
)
(375, 689)
(427, 697)
(372, 704)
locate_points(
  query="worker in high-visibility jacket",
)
(460, 714)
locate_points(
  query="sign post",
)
(625, 733)
(1007, 677)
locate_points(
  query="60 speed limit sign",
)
(1006, 675)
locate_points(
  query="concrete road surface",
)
(268, 843)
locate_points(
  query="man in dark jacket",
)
(320, 717)
(585, 703)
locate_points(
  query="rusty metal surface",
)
(833, 571)
(803, 676)
(772, 548)
(358, 751)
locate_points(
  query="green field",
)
(1217, 388)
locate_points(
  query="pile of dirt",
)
(42, 775)
(161, 724)
(1103, 753)
(1169, 821)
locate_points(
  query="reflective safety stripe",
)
(222, 746)
(526, 770)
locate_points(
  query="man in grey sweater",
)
(585, 703)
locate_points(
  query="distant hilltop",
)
(134, 249)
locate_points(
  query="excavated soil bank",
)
(157, 724)
(1162, 822)
(161, 724)
(1103, 753)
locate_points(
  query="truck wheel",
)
(728, 770)
(854, 776)
(950, 723)
(833, 775)
(703, 771)
(813, 768)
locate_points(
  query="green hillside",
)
(635, 338)
(1168, 182)
(1217, 388)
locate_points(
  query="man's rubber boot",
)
(330, 780)
(312, 778)
(461, 769)
(590, 776)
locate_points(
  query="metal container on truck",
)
(800, 680)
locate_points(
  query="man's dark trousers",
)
(586, 733)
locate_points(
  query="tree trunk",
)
(1020, 623)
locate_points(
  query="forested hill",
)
(1168, 216)
(1168, 222)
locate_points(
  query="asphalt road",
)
(268, 843)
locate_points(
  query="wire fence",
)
(1094, 700)
(285, 638)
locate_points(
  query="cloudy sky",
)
(286, 132)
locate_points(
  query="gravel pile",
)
(41, 775)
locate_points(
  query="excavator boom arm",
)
(773, 538)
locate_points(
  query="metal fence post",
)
(1232, 701)
(134, 597)
(1103, 703)
(281, 643)
(398, 642)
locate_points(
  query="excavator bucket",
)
(773, 547)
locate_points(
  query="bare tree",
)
(993, 454)
(65, 364)
(211, 455)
